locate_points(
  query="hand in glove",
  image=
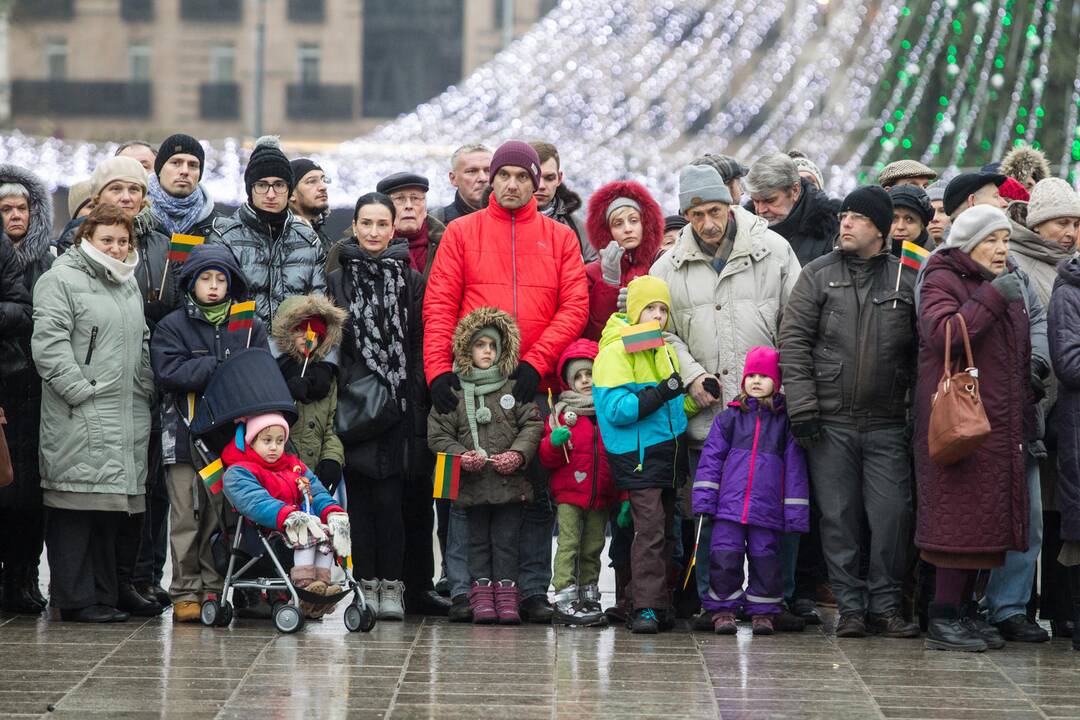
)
(472, 461)
(507, 462)
(624, 518)
(300, 528)
(652, 398)
(560, 435)
(1009, 285)
(712, 386)
(443, 396)
(611, 263)
(526, 380)
(340, 534)
(329, 473)
(620, 302)
(806, 432)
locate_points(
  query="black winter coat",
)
(812, 226)
(1064, 332)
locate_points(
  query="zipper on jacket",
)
(513, 258)
(750, 478)
(595, 466)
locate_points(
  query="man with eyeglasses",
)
(408, 192)
(847, 351)
(310, 199)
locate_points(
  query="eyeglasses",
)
(853, 216)
(414, 199)
(315, 180)
(261, 188)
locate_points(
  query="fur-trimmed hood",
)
(39, 228)
(296, 309)
(1025, 162)
(652, 219)
(481, 317)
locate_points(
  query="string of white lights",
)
(1038, 83)
(1071, 125)
(1023, 78)
(978, 101)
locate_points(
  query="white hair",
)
(465, 150)
(12, 189)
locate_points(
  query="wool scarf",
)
(475, 384)
(574, 402)
(176, 214)
(418, 248)
(380, 316)
(214, 314)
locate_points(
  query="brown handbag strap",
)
(967, 341)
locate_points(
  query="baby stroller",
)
(251, 557)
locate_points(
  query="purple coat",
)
(751, 471)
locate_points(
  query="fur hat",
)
(482, 317)
(294, 310)
(255, 425)
(1023, 163)
(1050, 199)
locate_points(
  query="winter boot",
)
(946, 631)
(973, 620)
(724, 623)
(130, 601)
(460, 610)
(589, 597)
(762, 624)
(506, 602)
(482, 602)
(17, 597)
(620, 611)
(390, 607)
(370, 588)
(644, 622)
(565, 606)
(302, 575)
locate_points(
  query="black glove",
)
(299, 387)
(526, 381)
(652, 398)
(329, 472)
(806, 432)
(321, 374)
(1037, 385)
(712, 386)
(442, 392)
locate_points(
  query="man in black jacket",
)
(469, 176)
(180, 202)
(793, 207)
(847, 349)
(310, 199)
(557, 201)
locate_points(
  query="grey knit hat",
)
(1052, 198)
(572, 367)
(699, 184)
(807, 165)
(489, 331)
(620, 202)
(974, 225)
(936, 191)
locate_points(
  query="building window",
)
(43, 9)
(56, 54)
(222, 62)
(137, 10)
(139, 61)
(307, 10)
(308, 57)
(211, 10)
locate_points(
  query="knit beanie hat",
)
(515, 153)
(699, 184)
(620, 202)
(1011, 189)
(974, 225)
(645, 290)
(78, 196)
(179, 144)
(1052, 198)
(255, 425)
(807, 165)
(762, 360)
(489, 331)
(873, 202)
(116, 168)
(195, 276)
(913, 198)
(301, 167)
(936, 191)
(267, 160)
(572, 367)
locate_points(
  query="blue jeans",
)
(1009, 589)
(457, 552)
(534, 554)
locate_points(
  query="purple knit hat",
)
(516, 153)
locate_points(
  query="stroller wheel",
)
(210, 613)
(359, 618)
(288, 618)
(226, 616)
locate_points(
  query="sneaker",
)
(370, 589)
(891, 624)
(947, 630)
(460, 611)
(1019, 628)
(703, 622)
(851, 625)
(186, 611)
(806, 609)
(390, 607)
(482, 602)
(762, 624)
(723, 623)
(645, 622)
(506, 602)
(788, 621)
(536, 609)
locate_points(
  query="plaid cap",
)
(728, 167)
(904, 169)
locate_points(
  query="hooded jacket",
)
(584, 479)
(565, 208)
(812, 225)
(518, 427)
(20, 387)
(602, 296)
(312, 435)
(1064, 330)
(186, 349)
(752, 471)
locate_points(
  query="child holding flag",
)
(642, 415)
(185, 350)
(492, 437)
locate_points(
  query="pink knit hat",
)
(255, 425)
(762, 361)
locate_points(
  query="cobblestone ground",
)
(428, 668)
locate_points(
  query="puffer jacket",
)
(276, 266)
(717, 318)
(1064, 326)
(648, 452)
(312, 435)
(186, 350)
(518, 261)
(518, 427)
(91, 347)
(848, 342)
(579, 476)
(752, 471)
(153, 247)
(812, 225)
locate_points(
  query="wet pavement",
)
(428, 668)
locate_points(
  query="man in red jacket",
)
(511, 257)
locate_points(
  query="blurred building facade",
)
(331, 69)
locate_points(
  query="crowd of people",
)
(752, 383)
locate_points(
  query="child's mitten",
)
(340, 533)
(299, 527)
(624, 519)
(559, 436)
(472, 461)
(507, 462)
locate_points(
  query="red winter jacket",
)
(586, 479)
(517, 261)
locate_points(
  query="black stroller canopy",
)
(248, 383)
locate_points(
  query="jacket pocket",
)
(830, 386)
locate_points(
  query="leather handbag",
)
(7, 474)
(958, 422)
(365, 410)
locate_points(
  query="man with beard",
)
(179, 201)
(310, 200)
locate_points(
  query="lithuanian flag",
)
(211, 476)
(309, 341)
(643, 336)
(912, 255)
(181, 246)
(447, 476)
(242, 316)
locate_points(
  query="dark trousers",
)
(378, 531)
(82, 557)
(442, 517)
(418, 517)
(129, 535)
(653, 512)
(1055, 601)
(494, 534)
(155, 534)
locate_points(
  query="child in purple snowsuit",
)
(752, 480)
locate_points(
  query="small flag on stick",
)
(211, 476)
(644, 336)
(912, 255)
(181, 246)
(242, 316)
(309, 345)
(447, 476)
(693, 555)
